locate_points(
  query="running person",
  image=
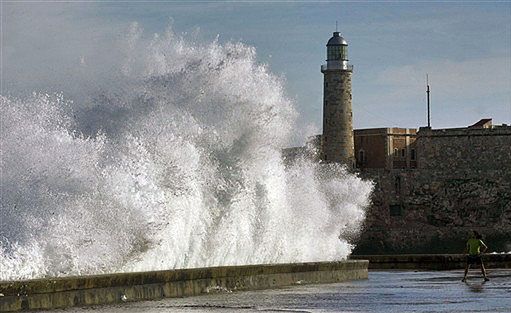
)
(473, 250)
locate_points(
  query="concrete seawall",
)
(56, 293)
(431, 261)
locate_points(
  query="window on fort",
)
(361, 156)
(412, 154)
(397, 184)
(395, 210)
(403, 152)
(395, 152)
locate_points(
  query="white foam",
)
(175, 164)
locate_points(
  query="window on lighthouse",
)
(334, 52)
(344, 52)
(337, 53)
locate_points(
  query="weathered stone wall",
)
(464, 148)
(53, 293)
(463, 183)
(440, 262)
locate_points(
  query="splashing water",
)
(177, 165)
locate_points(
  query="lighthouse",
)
(337, 138)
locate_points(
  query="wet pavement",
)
(384, 291)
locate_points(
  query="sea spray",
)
(175, 163)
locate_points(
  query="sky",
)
(464, 47)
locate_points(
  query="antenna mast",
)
(427, 91)
(336, 26)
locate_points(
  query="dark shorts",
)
(474, 259)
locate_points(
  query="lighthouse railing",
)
(340, 66)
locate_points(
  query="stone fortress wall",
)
(462, 182)
(465, 148)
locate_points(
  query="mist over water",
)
(173, 161)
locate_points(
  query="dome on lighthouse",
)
(337, 40)
(337, 51)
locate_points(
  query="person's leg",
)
(466, 272)
(483, 271)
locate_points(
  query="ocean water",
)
(174, 161)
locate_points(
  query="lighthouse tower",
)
(337, 139)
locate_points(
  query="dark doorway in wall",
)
(395, 210)
(397, 184)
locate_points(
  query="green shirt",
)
(474, 246)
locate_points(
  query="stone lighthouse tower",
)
(337, 139)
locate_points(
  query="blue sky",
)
(464, 46)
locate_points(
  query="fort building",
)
(444, 184)
(432, 186)
(385, 148)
